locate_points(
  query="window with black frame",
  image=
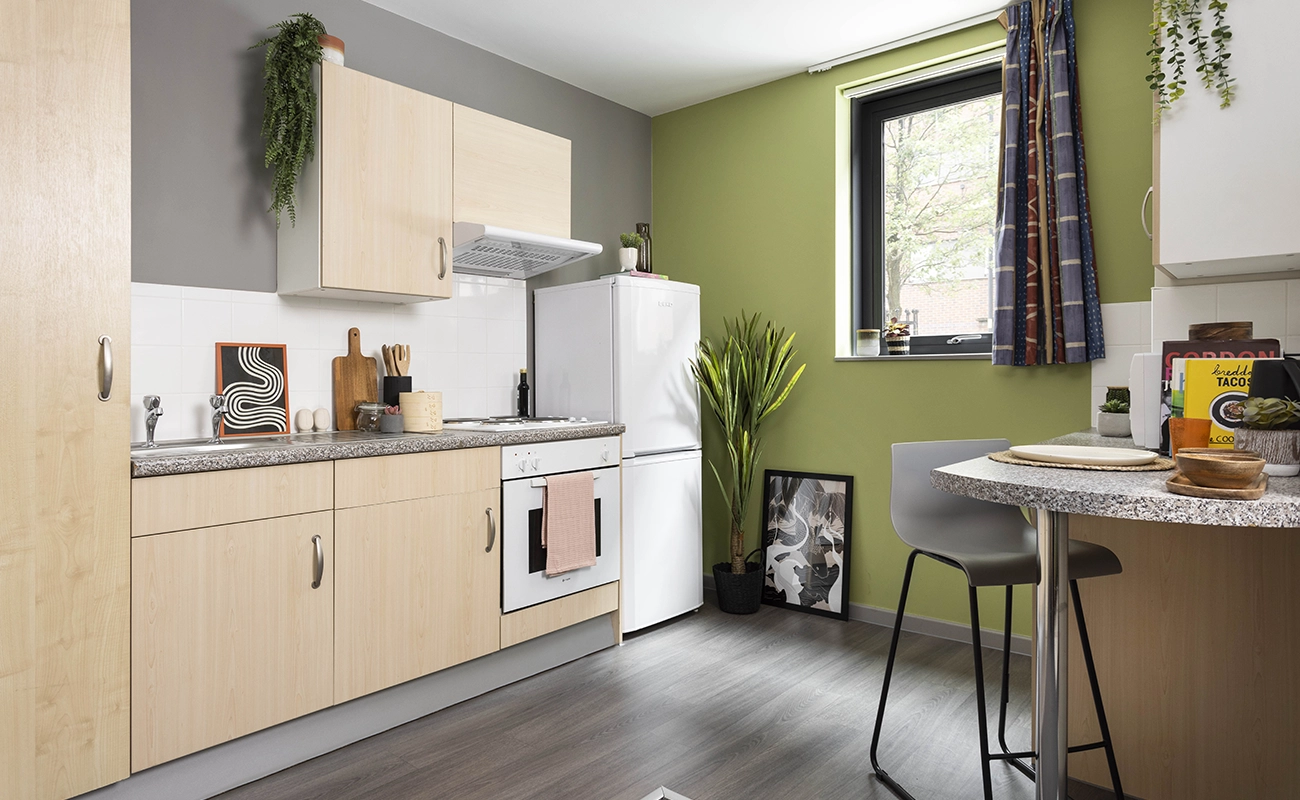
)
(925, 164)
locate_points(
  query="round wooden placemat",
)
(1160, 464)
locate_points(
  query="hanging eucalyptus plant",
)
(1178, 28)
(290, 111)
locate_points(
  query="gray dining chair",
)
(994, 546)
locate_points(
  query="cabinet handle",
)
(106, 381)
(492, 531)
(442, 269)
(319, 562)
(1146, 199)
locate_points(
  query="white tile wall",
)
(470, 347)
(1128, 331)
(1273, 306)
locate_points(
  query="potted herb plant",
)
(289, 113)
(743, 378)
(630, 242)
(1112, 417)
(898, 337)
(1267, 428)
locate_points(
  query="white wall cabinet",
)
(1225, 199)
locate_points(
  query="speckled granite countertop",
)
(299, 448)
(1126, 495)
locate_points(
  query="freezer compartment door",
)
(573, 351)
(656, 328)
(663, 557)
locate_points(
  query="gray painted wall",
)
(200, 192)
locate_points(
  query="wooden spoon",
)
(388, 360)
(403, 359)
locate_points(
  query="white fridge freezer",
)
(618, 348)
(663, 555)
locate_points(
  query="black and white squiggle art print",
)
(806, 522)
(254, 379)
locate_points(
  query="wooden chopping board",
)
(356, 380)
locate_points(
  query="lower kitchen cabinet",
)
(229, 635)
(417, 588)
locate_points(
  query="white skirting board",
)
(927, 626)
(210, 772)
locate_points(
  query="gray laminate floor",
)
(716, 707)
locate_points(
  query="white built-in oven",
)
(524, 468)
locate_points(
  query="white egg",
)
(304, 420)
(322, 419)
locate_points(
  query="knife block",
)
(394, 386)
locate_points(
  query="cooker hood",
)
(504, 253)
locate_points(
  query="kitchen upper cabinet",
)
(232, 632)
(65, 236)
(1225, 179)
(418, 581)
(510, 175)
(375, 211)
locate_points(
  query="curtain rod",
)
(969, 22)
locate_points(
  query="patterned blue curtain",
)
(1046, 305)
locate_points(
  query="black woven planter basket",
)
(739, 594)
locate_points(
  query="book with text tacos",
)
(1216, 389)
(1240, 349)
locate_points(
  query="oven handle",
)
(492, 531)
(540, 483)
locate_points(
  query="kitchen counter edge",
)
(1122, 495)
(382, 445)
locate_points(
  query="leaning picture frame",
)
(254, 380)
(807, 520)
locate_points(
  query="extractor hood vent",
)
(504, 253)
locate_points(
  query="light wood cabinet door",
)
(385, 156)
(65, 269)
(228, 634)
(511, 175)
(418, 589)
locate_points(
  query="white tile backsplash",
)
(174, 330)
(1263, 303)
(1127, 328)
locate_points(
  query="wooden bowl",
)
(1223, 469)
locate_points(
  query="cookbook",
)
(1231, 350)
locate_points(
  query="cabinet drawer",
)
(529, 623)
(202, 499)
(391, 479)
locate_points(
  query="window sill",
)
(926, 357)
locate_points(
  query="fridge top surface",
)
(619, 279)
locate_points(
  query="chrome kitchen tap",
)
(153, 405)
(218, 403)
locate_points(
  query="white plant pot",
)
(1112, 424)
(627, 258)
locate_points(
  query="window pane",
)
(940, 173)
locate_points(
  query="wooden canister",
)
(422, 411)
(1220, 331)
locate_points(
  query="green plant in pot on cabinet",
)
(627, 252)
(743, 379)
(1112, 416)
(1268, 428)
(289, 113)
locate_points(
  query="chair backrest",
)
(929, 519)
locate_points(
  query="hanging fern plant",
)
(1178, 28)
(290, 111)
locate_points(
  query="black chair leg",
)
(884, 688)
(1006, 690)
(977, 645)
(1096, 691)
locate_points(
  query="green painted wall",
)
(744, 205)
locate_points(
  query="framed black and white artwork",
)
(254, 379)
(806, 523)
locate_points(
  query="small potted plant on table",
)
(1112, 417)
(743, 381)
(1267, 428)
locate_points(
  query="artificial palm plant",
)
(744, 380)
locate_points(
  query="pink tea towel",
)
(569, 522)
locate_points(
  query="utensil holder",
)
(422, 411)
(393, 388)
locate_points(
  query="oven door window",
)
(537, 553)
